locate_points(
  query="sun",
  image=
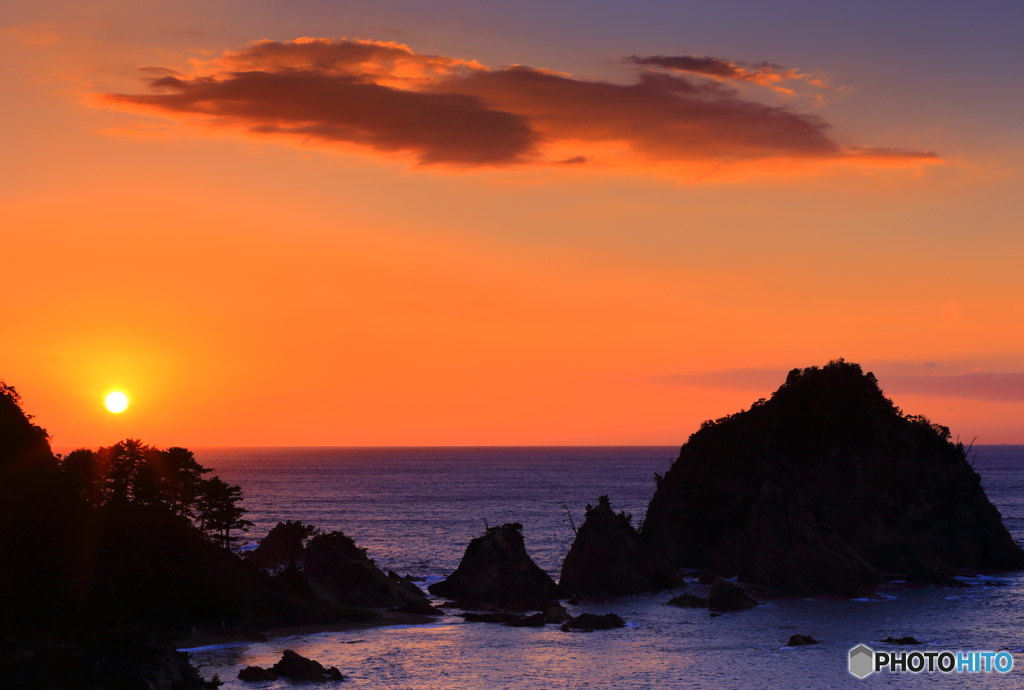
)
(117, 402)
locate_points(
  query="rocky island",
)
(827, 485)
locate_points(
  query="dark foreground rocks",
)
(294, 667)
(497, 568)
(607, 557)
(124, 658)
(588, 622)
(823, 487)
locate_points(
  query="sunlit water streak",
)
(416, 509)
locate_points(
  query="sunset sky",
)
(492, 223)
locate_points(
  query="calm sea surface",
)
(415, 509)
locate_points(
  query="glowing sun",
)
(117, 402)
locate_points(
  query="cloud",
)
(989, 386)
(382, 97)
(763, 73)
(1006, 387)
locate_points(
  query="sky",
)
(490, 223)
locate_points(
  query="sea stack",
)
(607, 557)
(496, 568)
(827, 485)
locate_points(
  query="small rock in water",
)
(420, 608)
(799, 640)
(490, 617)
(534, 621)
(255, 673)
(555, 613)
(688, 601)
(587, 622)
(729, 596)
(901, 640)
(297, 667)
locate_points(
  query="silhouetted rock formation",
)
(608, 557)
(339, 572)
(496, 567)
(294, 667)
(824, 486)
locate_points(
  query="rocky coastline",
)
(825, 487)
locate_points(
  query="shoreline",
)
(199, 640)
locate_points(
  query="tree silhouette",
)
(218, 511)
(22, 443)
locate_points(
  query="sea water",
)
(415, 509)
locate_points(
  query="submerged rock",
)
(490, 617)
(608, 557)
(496, 567)
(901, 640)
(338, 571)
(537, 620)
(587, 622)
(800, 640)
(689, 601)
(420, 608)
(823, 487)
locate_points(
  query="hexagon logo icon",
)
(862, 661)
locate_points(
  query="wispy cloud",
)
(990, 386)
(765, 74)
(437, 110)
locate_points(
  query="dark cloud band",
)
(440, 110)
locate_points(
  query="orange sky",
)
(247, 287)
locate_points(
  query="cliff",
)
(825, 486)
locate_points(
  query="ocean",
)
(415, 509)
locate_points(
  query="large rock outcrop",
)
(338, 571)
(607, 557)
(496, 568)
(825, 486)
(283, 546)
